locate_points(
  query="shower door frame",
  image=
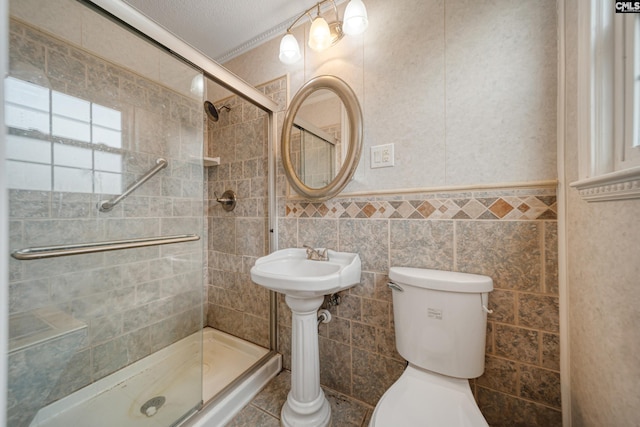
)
(218, 74)
(212, 70)
(4, 221)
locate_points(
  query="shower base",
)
(171, 373)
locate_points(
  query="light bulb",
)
(319, 34)
(355, 18)
(289, 49)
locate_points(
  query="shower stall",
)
(122, 259)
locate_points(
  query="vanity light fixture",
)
(323, 34)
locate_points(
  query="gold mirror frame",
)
(354, 115)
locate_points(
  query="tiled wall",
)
(509, 235)
(465, 104)
(236, 239)
(132, 302)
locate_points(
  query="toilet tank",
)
(440, 321)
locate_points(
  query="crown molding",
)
(254, 42)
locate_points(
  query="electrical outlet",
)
(382, 156)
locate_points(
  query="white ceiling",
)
(223, 29)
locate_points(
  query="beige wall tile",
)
(503, 304)
(517, 343)
(369, 238)
(256, 330)
(503, 410)
(335, 368)
(422, 244)
(508, 252)
(363, 336)
(540, 385)
(540, 312)
(375, 313)
(504, 248)
(551, 351)
(373, 374)
(350, 307)
(339, 330)
(489, 347)
(318, 233)
(386, 343)
(551, 257)
(500, 375)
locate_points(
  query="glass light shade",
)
(355, 18)
(289, 49)
(319, 34)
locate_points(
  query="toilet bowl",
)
(440, 320)
(422, 398)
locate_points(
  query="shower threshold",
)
(170, 379)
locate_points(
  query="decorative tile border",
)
(540, 207)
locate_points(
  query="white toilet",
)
(440, 320)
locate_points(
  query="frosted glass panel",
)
(20, 117)
(72, 180)
(28, 176)
(68, 155)
(111, 138)
(25, 93)
(108, 183)
(108, 161)
(70, 106)
(72, 129)
(28, 149)
(106, 117)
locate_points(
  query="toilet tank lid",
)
(440, 280)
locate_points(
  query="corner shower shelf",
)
(211, 161)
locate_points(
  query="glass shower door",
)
(104, 337)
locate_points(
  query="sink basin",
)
(290, 272)
(305, 282)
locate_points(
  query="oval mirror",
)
(322, 138)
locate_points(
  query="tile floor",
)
(264, 409)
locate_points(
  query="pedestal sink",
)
(305, 283)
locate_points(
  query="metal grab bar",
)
(87, 248)
(107, 205)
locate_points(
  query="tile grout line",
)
(264, 411)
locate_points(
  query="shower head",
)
(212, 112)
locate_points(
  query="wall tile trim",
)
(457, 206)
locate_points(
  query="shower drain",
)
(152, 405)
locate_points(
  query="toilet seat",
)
(423, 398)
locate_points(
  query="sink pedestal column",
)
(306, 404)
